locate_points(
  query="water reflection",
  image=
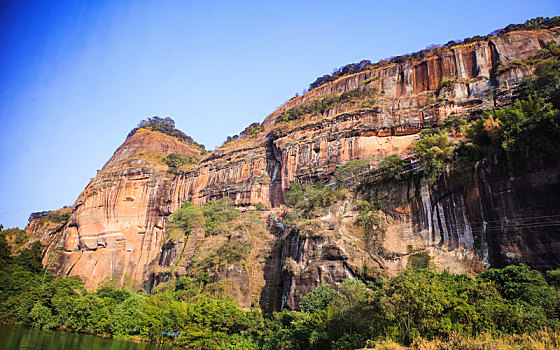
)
(12, 337)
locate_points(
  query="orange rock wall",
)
(411, 98)
(118, 223)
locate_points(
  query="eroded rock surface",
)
(118, 224)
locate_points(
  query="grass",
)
(541, 340)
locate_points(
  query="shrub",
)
(369, 219)
(550, 49)
(454, 124)
(351, 169)
(447, 83)
(516, 131)
(391, 168)
(176, 161)
(419, 260)
(309, 198)
(213, 216)
(317, 106)
(218, 215)
(321, 104)
(186, 218)
(228, 253)
(318, 299)
(251, 131)
(57, 216)
(15, 236)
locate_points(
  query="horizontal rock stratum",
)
(118, 223)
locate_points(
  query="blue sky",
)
(77, 76)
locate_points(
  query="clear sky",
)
(77, 76)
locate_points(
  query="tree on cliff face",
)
(214, 217)
(186, 219)
(434, 151)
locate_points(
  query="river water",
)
(13, 337)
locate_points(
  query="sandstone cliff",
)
(117, 223)
(117, 228)
(410, 97)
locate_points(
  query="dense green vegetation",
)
(447, 83)
(516, 135)
(214, 217)
(318, 106)
(15, 236)
(57, 216)
(166, 126)
(351, 169)
(179, 162)
(369, 80)
(372, 225)
(433, 151)
(54, 216)
(352, 68)
(527, 129)
(390, 168)
(419, 303)
(308, 200)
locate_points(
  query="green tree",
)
(318, 299)
(30, 258)
(351, 169)
(127, 317)
(391, 168)
(42, 317)
(433, 151)
(521, 284)
(187, 218)
(218, 214)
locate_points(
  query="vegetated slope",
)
(120, 228)
(511, 308)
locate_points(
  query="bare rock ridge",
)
(118, 224)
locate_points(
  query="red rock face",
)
(147, 141)
(259, 171)
(118, 222)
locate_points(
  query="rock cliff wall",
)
(118, 224)
(260, 169)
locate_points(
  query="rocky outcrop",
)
(117, 228)
(260, 169)
(47, 227)
(506, 216)
(117, 224)
(463, 223)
